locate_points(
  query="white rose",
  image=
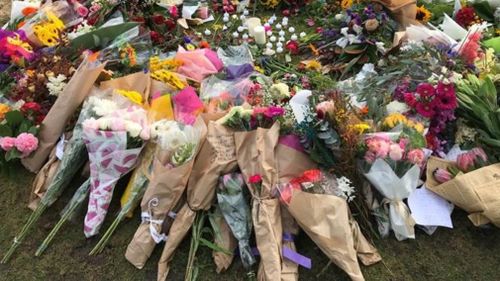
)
(105, 123)
(133, 129)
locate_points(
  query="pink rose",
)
(416, 156)
(80, 9)
(91, 123)
(370, 157)
(7, 143)
(395, 152)
(118, 125)
(26, 143)
(379, 146)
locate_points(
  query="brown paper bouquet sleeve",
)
(325, 219)
(256, 154)
(52, 127)
(476, 192)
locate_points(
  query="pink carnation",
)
(416, 156)
(26, 143)
(7, 143)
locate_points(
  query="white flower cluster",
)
(103, 107)
(396, 107)
(346, 190)
(279, 91)
(116, 124)
(83, 28)
(170, 135)
(56, 84)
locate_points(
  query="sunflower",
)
(423, 15)
(313, 65)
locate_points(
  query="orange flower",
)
(29, 11)
(364, 110)
(3, 110)
(20, 24)
(314, 50)
(204, 45)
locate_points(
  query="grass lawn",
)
(463, 253)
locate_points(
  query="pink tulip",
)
(465, 162)
(395, 152)
(479, 152)
(442, 175)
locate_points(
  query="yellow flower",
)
(3, 110)
(345, 4)
(190, 47)
(48, 31)
(216, 26)
(270, 3)
(258, 69)
(423, 15)
(360, 128)
(155, 63)
(133, 96)
(392, 120)
(313, 65)
(168, 77)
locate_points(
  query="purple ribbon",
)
(288, 237)
(290, 255)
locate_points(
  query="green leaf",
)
(212, 246)
(484, 10)
(350, 65)
(12, 154)
(14, 118)
(5, 131)
(97, 38)
(24, 127)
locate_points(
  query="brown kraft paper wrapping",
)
(367, 253)
(225, 240)
(403, 11)
(139, 82)
(42, 179)
(255, 152)
(67, 102)
(325, 219)
(476, 192)
(162, 194)
(291, 163)
(216, 158)
(181, 225)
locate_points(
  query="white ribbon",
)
(147, 217)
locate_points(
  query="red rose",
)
(31, 106)
(286, 13)
(170, 24)
(293, 47)
(158, 19)
(255, 179)
(174, 12)
(312, 175)
(155, 36)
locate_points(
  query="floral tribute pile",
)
(246, 122)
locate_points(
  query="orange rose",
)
(3, 110)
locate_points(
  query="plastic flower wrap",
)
(236, 212)
(130, 49)
(113, 144)
(44, 29)
(241, 119)
(187, 106)
(199, 63)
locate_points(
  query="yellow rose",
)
(3, 110)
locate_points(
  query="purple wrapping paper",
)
(238, 71)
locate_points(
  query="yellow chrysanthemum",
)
(313, 65)
(392, 120)
(133, 96)
(155, 63)
(270, 3)
(49, 30)
(360, 128)
(423, 14)
(345, 4)
(258, 69)
(168, 77)
(3, 110)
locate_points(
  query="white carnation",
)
(103, 107)
(56, 84)
(396, 107)
(133, 129)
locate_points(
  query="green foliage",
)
(101, 37)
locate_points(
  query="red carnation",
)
(293, 47)
(255, 179)
(158, 19)
(31, 106)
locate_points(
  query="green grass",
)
(463, 253)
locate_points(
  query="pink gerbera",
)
(446, 101)
(425, 109)
(425, 90)
(443, 88)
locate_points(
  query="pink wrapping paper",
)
(187, 106)
(109, 161)
(195, 64)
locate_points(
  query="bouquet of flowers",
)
(177, 145)
(113, 144)
(236, 212)
(469, 183)
(393, 168)
(312, 195)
